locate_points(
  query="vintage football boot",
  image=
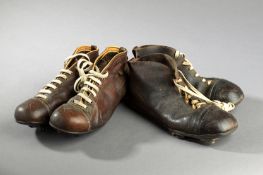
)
(212, 88)
(156, 89)
(36, 111)
(100, 90)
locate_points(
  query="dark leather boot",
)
(99, 92)
(163, 94)
(212, 88)
(36, 111)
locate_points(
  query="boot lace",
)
(59, 79)
(189, 91)
(186, 62)
(88, 82)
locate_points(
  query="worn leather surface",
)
(150, 91)
(37, 111)
(72, 118)
(220, 89)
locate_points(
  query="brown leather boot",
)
(37, 110)
(162, 93)
(212, 88)
(100, 90)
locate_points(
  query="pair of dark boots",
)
(160, 83)
(163, 85)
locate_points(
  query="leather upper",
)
(219, 89)
(73, 118)
(150, 90)
(37, 110)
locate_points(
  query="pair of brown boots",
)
(160, 83)
(84, 94)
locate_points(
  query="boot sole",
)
(206, 139)
(32, 124)
(59, 130)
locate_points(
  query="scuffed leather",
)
(37, 111)
(32, 111)
(74, 119)
(150, 91)
(220, 89)
(226, 91)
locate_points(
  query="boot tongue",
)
(82, 49)
(100, 65)
(106, 56)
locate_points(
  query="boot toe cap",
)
(69, 119)
(219, 122)
(227, 91)
(32, 112)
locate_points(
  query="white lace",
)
(88, 81)
(186, 62)
(63, 74)
(189, 91)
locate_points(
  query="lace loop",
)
(88, 82)
(83, 66)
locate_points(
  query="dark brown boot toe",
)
(69, 119)
(218, 122)
(32, 112)
(227, 91)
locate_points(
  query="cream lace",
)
(190, 91)
(88, 81)
(57, 81)
(186, 62)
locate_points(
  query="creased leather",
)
(150, 91)
(111, 91)
(220, 89)
(37, 111)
